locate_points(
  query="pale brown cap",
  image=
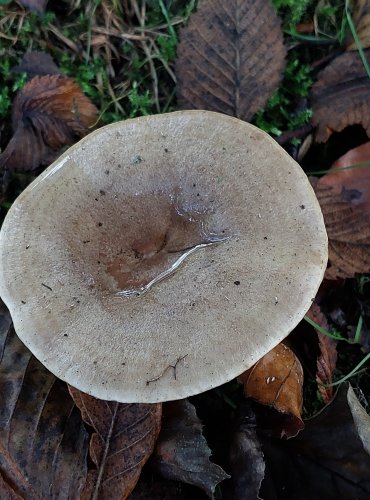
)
(116, 212)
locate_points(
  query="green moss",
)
(280, 112)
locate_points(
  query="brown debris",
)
(48, 113)
(230, 57)
(123, 439)
(340, 97)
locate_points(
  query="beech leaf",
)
(276, 380)
(182, 452)
(124, 438)
(43, 443)
(340, 97)
(48, 113)
(344, 197)
(230, 57)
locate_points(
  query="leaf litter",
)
(230, 59)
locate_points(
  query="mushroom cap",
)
(162, 256)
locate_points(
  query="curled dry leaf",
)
(182, 452)
(340, 97)
(344, 197)
(43, 442)
(48, 113)
(124, 438)
(230, 57)
(329, 459)
(276, 380)
(327, 359)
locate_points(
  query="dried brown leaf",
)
(38, 6)
(340, 97)
(230, 57)
(36, 63)
(276, 380)
(124, 438)
(327, 360)
(43, 443)
(48, 113)
(344, 197)
(182, 452)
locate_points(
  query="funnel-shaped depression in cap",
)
(162, 256)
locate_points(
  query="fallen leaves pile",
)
(56, 442)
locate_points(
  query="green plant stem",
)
(338, 169)
(336, 337)
(353, 372)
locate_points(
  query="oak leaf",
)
(230, 57)
(182, 452)
(344, 197)
(43, 442)
(48, 113)
(340, 97)
(123, 439)
(276, 380)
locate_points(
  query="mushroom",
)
(162, 256)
